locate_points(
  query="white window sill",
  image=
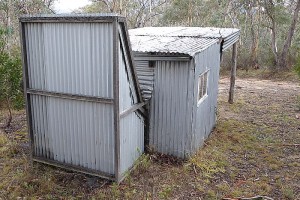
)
(201, 100)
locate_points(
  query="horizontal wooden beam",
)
(70, 96)
(132, 109)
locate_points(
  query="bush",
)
(297, 66)
(10, 80)
(11, 94)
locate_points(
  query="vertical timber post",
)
(25, 87)
(116, 98)
(233, 73)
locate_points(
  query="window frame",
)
(201, 79)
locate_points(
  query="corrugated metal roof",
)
(184, 45)
(202, 32)
(185, 40)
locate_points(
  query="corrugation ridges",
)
(204, 114)
(74, 132)
(131, 140)
(70, 58)
(228, 42)
(200, 32)
(146, 78)
(77, 59)
(170, 110)
(74, 58)
(125, 91)
(186, 40)
(132, 125)
(184, 45)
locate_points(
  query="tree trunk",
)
(254, 41)
(282, 60)
(233, 73)
(273, 41)
(254, 50)
(270, 11)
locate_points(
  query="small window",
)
(202, 86)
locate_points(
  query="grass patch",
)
(264, 74)
(249, 153)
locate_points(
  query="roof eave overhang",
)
(155, 57)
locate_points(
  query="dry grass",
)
(266, 74)
(251, 152)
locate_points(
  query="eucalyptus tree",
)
(139, 13)
(277, 12)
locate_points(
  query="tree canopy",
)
(269, 28)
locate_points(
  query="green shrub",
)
(11, 94)
(297, 66)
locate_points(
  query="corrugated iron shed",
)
(171, 63)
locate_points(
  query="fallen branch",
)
(194, 167)
(251, 198)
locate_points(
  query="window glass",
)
(202, 86)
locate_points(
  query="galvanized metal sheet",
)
(178, 125)
(73, 58)
(73, 102)
(204, 113)
(131, 140)
(74, 132)
(171, 107)
(130, 64)
(132, 125)
(186, 40)
(126, 91)
(228, 42)
(199, 32)
(184, 45)
(145, 75)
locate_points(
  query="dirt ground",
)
(254, 150)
